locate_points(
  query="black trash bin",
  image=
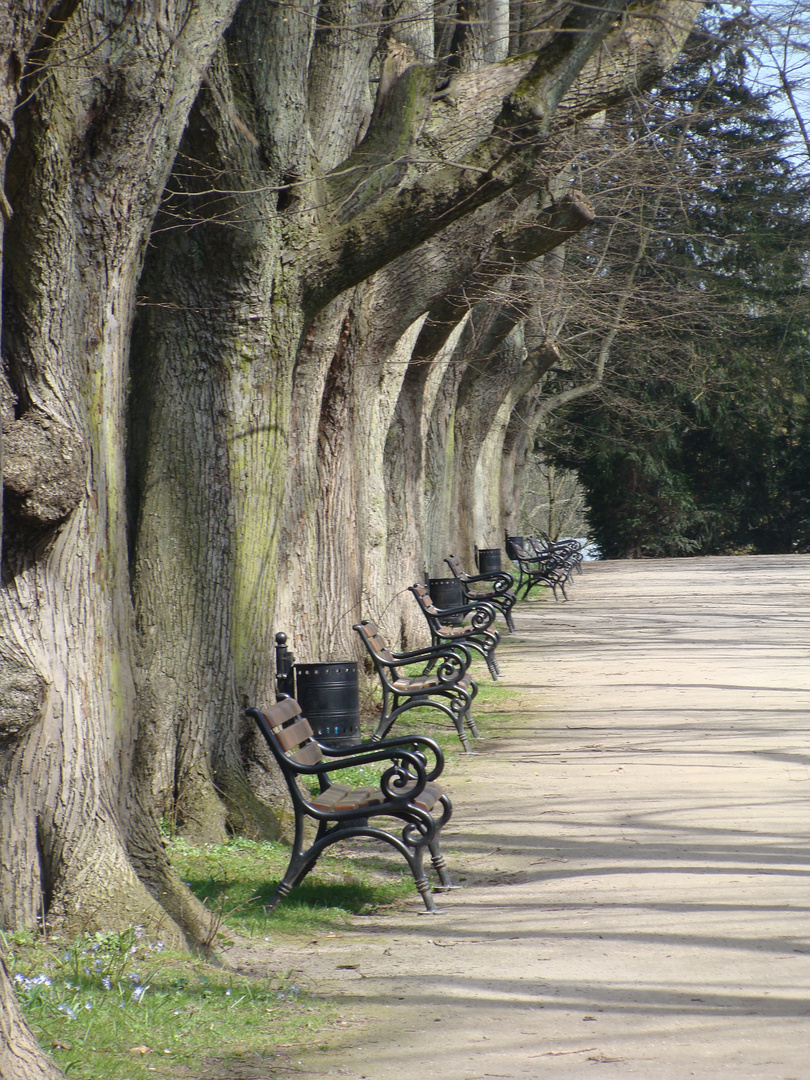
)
(510, 549)
(489, 561)
(329, 696)
(448, 592)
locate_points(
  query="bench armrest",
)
(501, 580)
(433, 652)
(410, 743)
(405, 764)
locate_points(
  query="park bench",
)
(479, 634)
(407, 793)
(568, 550)
(450, 688)
(560, 561)
(535, 570)
(500, 596)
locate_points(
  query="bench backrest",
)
(454, 563)
(422, 595)
(516, 549)
(375, 642)
(288, 734)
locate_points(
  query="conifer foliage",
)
(696, 442)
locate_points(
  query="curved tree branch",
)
(479, 138)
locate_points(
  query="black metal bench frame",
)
(568, 551)
(407, 793)
(535, 570)
(450, 689)
(500, 595)
(480, 634)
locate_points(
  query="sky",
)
(785, 49)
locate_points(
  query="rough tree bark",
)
(20, 1055)
(107, 91)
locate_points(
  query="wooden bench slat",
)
(359, 798)
(294, 735)
(326, 799)
(428, 797)
(282, 712)
(308, 754)
(416, 682)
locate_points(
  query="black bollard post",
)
(285, 680)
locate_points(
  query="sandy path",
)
(637, 851)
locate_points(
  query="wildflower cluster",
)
(113, 1006)
(92, 965)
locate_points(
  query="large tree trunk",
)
(209, 419)
(254, 392)
(98, 135)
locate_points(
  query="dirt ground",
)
(634, 852)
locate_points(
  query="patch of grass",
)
(118, 1007)
(115, 1007)
(237, 879)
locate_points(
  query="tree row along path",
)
(635, 848)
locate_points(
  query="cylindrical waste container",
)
(510, 550)
(489, 560)
(329, 696)
(448, 592)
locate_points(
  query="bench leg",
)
(415, 861)
(383, 728)
(440, 866)
(460, 708)
(423, 885)
(462, 734)
(298, 868)
(492, 664)
(472, 726)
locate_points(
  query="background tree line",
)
(695, 440)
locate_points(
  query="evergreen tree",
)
(696, 442)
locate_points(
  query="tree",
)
(20, 1055)
(694, 442)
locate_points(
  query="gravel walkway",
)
(636, 851)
